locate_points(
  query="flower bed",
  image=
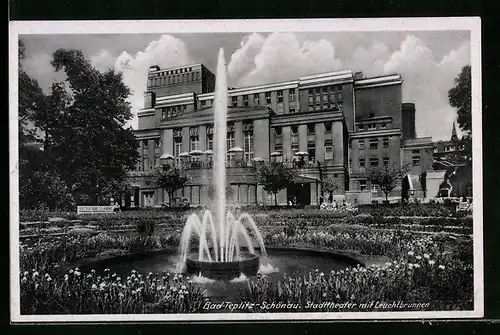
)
(88, 293)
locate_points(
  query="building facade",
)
(334, 125)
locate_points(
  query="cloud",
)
(280, 57)
(103, 60)
(38, 66)
(167, 51)
(369, 60)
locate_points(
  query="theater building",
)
(334, 125)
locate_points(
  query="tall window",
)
(231, 143)
(291, 95)
(362, 144)
(318, 95)
(248, 145)
(361, 162)
(383, 125)
(311, 150)
(194, 139)
(278, 147)
(278, 131)
(235, 101)
(372, 126)
(386, 161)
(328, 149)
(256, 98)
(294, 147)
(373, 161)
(310, 128)
(311, 97)
(210, 142)
(374, 188)
(177, 149)
(280, 96)
(295, 130)
(328, 127)
(268, 98)
(203, 103)
(245, 100)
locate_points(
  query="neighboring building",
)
(343, 121)
(450, 159)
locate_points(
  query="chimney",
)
(358, 75)
(408, 118)
(153, 68)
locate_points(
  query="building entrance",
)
(299, 194)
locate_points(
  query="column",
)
(319, 131)
(185, 139)
(314, 195)
(287, 143)
(238, 133)
(141, 153)
(202, 134)
(151, 153)
(261, 138)
(303, 137)
(168, 142)
(338, 144)
(261, 199)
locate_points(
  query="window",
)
(373, 161)
(145, 143)
(295, 147)
(361, 127)
(328, 127)
(317, 107)
(292, 110)
(203, 103)
(386, 161)
(194, 139)
(415, 157)
(350, 162)
(278, 147)
(311, 99)
(177, 149)
(295, 130)
(256, 99)
(361, 162)
(328, 149)
(362, 185)
(373, 143)
(385, 142)
(310, 128)
(324, 92)
(231, 143)
(311, 150)
(361, 144)
(157, 143)
(291, 95)
(374, 188)
(210, 142)
(372, 126)
(318, 95)
(325, 105)
(245, 100)
(235, 101)
(383, 125)
(248, 145)
(278, 131)
(340, 97)
(268, 98)
(310, 109)
(280, 96)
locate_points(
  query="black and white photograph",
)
(243, 170)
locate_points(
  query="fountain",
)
(221, 241)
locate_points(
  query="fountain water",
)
(220, 242)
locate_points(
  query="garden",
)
(410, 253)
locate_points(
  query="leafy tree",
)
(275, 176)
(387, 177)
(84, 126)
(118, 189)
(329, 185)
(460, 97)
(171, 180)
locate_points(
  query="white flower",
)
(49, 279)
(324, 295)
(431, 262)
(70, 271)
(94, 286)
(118, 279)
(426, 255)
(77, 273)
(416, 265)
(442, 267)
(419, 257)
(66, 277)
(35, 274)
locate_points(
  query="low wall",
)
(361, 197)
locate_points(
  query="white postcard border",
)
(472, 24)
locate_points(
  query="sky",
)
(428, 61)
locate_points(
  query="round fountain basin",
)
(248, 265)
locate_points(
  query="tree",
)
(460, 97)
(275, 176)
(84, 126)
(329, 185)
(171, 180)
(387, 177)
